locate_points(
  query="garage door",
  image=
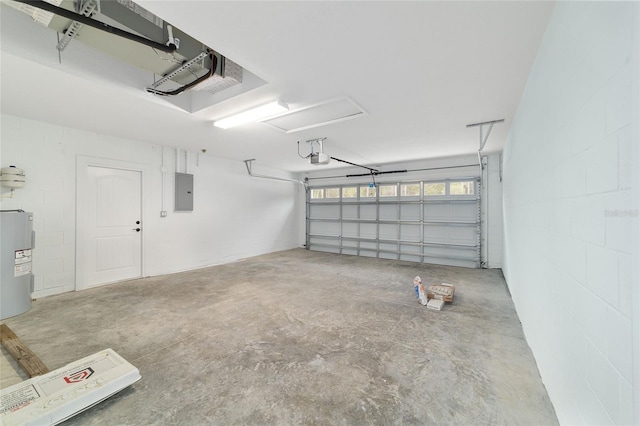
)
(426, 221)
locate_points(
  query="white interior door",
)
(113, 222)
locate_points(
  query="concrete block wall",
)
(571, 188)
(229, 220)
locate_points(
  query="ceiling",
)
(421, 71)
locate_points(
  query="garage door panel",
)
(389, 212)
(411, 249)
(350, 212)
(350, 229)
(448, 251)
(451, 262)
(323, 211)
(368, 230)
(410, 212)
(466, 212)
(411, 258)
(436, 211)
(435, 233)
(325, 228)
(326, 249)
(324, 244)
(422, 222)
(349, 243)
(410, 233)
(450, 234)
(452, 212)
(368, 212)
(388, 232)
(388, 247)
(368, 245)
(465, 235)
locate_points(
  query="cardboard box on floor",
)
(442, 291)
(435, 304)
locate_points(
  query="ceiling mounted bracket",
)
(177, 71)
(483, 139)
(88, 9)
(248, 164)
(319, 141)
(186, 65)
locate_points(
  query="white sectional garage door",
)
(426, 221)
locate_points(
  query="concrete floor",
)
(299, 337)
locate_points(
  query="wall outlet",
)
(163, 213)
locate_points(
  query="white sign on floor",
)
(54, 397)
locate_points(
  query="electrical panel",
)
(184, 192)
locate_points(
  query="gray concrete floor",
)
(299, 337)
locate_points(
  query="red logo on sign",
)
(79, 376)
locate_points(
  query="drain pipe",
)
(247, 163)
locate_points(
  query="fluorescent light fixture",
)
(252, 115)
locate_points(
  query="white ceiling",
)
(422, 71)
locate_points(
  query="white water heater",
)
(16, 278)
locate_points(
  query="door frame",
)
(82, 180)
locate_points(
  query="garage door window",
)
(317, 194)
(388, 191)
(461, 188)
(332, 193)
(435, 189)
(367, 192)
(410, 190)
(350, 192)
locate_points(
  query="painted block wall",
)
(235, 216)
(571, 212)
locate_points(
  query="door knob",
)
(137, 222)
(137, 229)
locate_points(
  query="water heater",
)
(16, 245)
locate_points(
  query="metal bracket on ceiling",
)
(319, 141)
(185, 66)
(483, 139)
(248, 164)
(88, 8)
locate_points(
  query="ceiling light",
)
(252, 115)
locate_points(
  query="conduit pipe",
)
(98, 25)
(163, 170)
(247, 163)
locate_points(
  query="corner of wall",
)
(570, 212)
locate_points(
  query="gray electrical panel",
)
(184, 192)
